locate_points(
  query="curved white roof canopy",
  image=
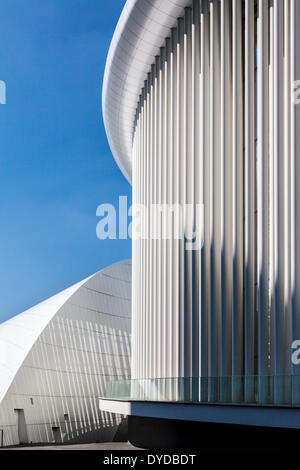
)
(19, 334)
(141, 31)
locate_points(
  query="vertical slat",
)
(250, 166)
(139, 371)
(204, 195)
(141, 242)
(272, 204)
(195, 196)
(164, 294)
(188, 193)
(181, 189)
(279, 244)
(136, 371)
(151, 259)
(226, 201)
(161, 323)
(271, 318)
(295, 197)
(135, 262)
(263, 198)
(167, 273)
(172, 196)
(175, 197)
(147, 238)
(214, 321)
(144, 162)
(238, 206)
(287, 187)
(155, 194)
(135, 256)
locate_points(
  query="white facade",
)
(198, 105)
(57, 357)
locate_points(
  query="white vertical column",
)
(262, 198)
(272, 193)
(161, 324)
(140, 317)
(204, 170)
(172, 197)
(147, 240)
(295, 196)
(250, 168)
(287, 189)
(181, 188)
(196, 194)
(144, 259)
(215, 200)
(140, 243)
(150, 202)
(237, 205)
(279, 245)
(135, 257)
(156, 169)
(188, 194)
(164, 242)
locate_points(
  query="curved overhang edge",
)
(154, 17)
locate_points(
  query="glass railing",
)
(238, 390)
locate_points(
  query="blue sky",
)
(56, 165)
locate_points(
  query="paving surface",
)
(100, 446)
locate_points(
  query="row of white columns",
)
(216, 126)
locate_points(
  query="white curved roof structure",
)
(57, 358)
(19, 334)
(141, 31)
